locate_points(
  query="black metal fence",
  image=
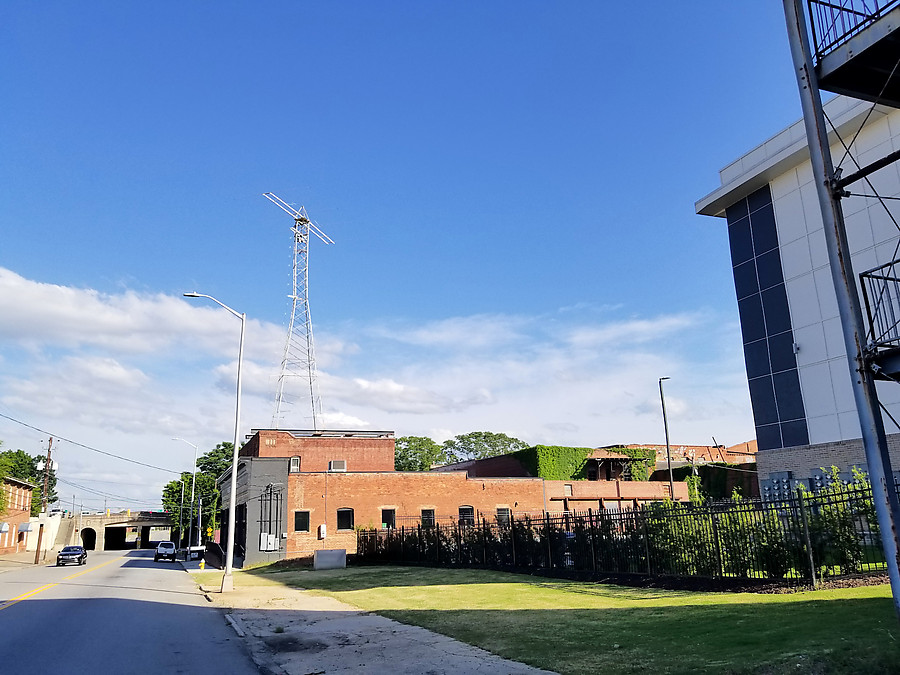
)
(803, 539)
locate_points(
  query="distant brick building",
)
(14, 519)
(299, 491)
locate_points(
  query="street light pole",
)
(193, 479)
(662, 399)
(228, 579)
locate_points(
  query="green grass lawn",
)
(576, 627)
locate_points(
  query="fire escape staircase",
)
(881, 294)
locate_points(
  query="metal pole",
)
(227, 578)
(887, 507)
(181, 514)
(662, 399)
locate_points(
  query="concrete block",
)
(330, 559)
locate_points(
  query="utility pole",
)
(46, 476)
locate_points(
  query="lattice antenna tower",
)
(299, 355)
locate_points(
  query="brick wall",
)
(408, 493)
(805, 462)
(361, 453)
(18, 510)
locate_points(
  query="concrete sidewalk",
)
(293, 632)
(13, 561)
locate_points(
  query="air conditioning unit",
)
(337, 465)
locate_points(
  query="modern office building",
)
(797, 369)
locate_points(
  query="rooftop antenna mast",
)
(299, 356)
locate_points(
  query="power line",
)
(88, 447)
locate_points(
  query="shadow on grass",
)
(843, 636)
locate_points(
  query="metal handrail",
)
(881, 294)
(833, 23)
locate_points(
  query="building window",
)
(428, 518)
(345, 519)
(301, 521)
(466, 516)
(504, 515)
(337, 465)
(388, 519)
(567, 490)
(295, 465)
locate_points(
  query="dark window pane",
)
(752, 325)
(301, 521)
(466, 515)
(787, 393)
(781, 352)
(740, 241)
(345, 519)
(745, 280)
(427, 517)
(388, 519)
(775, 307)
(794, 433)
(756, 356)
(768, 437)
(736, 211)
(503, 516)
(762, 398)
(768, 269)
(762, 224)
(760, 198)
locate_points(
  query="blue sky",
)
(510, 187)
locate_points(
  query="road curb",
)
(236, 624)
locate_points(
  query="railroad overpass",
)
(103, 532)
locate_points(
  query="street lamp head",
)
(664, 378)
(195, 294)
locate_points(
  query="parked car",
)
(71, 554)
(165, 551)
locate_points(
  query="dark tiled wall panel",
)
(766, 323)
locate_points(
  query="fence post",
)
(512, 538)
(646, 540)
(483, 543)
(402, 540)
(459, 543)
(715, 530)
(418, 542)
(547, 535)
(809, 550)
(437, 542)
(591, 537)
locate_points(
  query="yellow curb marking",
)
(19, 598)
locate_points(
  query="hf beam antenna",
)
(299, 358)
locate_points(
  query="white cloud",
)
(128, 372)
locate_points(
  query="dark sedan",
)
(72, 554)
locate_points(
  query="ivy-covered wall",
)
(639, 470)
(554, 462)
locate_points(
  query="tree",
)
(217, 461)
(180, 511)
(417, 453)
(210, 466)
(481, 444)
(21, 465)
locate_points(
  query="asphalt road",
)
(119, 613)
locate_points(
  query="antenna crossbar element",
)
(299, 354)
(298, 215)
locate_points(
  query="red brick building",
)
(14, 519)
(299, 491)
